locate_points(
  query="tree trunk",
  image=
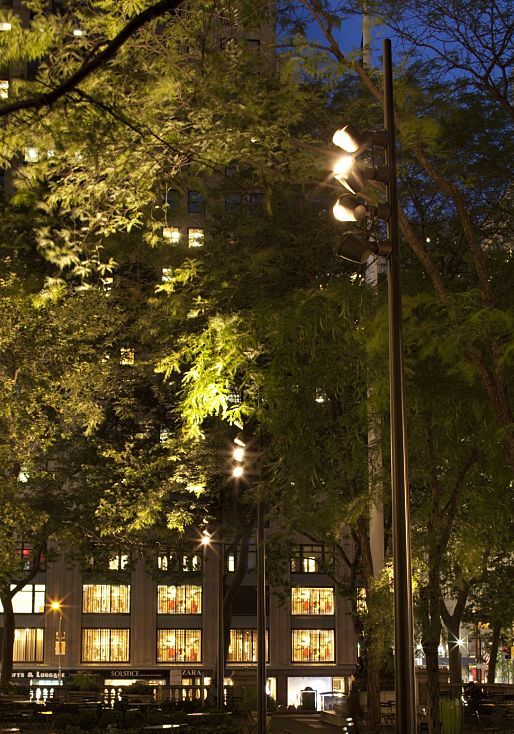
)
(453, 627)
(495, 643)
(373, 712)
(8, 641)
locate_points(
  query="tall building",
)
(155, 618)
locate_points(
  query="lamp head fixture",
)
(357, 248)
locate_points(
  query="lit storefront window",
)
(179, 646)
(243, 646)
(313, 646)
(106, 599)
(312, 600)
(28, 645)
(185, 599)
(105, 645)
(30, 600)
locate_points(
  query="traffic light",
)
(356, 245)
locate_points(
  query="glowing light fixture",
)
(348, 209)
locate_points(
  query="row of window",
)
(304, 558)
(235, 202)
(101, 645)
(183, 599)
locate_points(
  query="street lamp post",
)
(56, 606)
(357, 249)
(207, 540)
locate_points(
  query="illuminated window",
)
(31, 155)
(310, 600)
(171, 234)
(174, 561)
(243, 646)
(311, 559)
(5, 26)
(127, 356)
(4, 89)
(194, 237)
(105, 645)
(313, 646)
(106, 598)
(166, 275)
(28, 645)
(30, 600)
(195, 202)
(185, 599)
(251, 563)
(118, 562)
(179, 646)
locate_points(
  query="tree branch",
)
(47, 99)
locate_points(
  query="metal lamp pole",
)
(59, 634)
(403, 619)
(261, 620)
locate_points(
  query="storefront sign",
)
(37, 674)
(194, 672)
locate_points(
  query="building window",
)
(251, 563)
(24, 551)
(127, 356)
(172, 561)
(311, 559)
(166, 275)
(233, 203)
(118, 562)
(185, 599)
(31, 155)
(28, 645)
(171, 234)
(313, 646)
(308, 600)
(173, 200)
(243, 646)
(30, 600)
(195, 237)
(179, 646)
(105, 645)
(4, 89)
(253, 200)
(106, 598)
(253, 44)
(195, 202)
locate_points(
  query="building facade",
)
(142, 620)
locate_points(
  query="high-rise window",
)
(30, 600)
(243, 646)
(195, 237)
(186, 599)
(195, 202)
(313, 646)
(179, 646)
(173, 200)
(106, 598)
(312, 600)
(171, 234)
(28, 645)
(105, 645)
